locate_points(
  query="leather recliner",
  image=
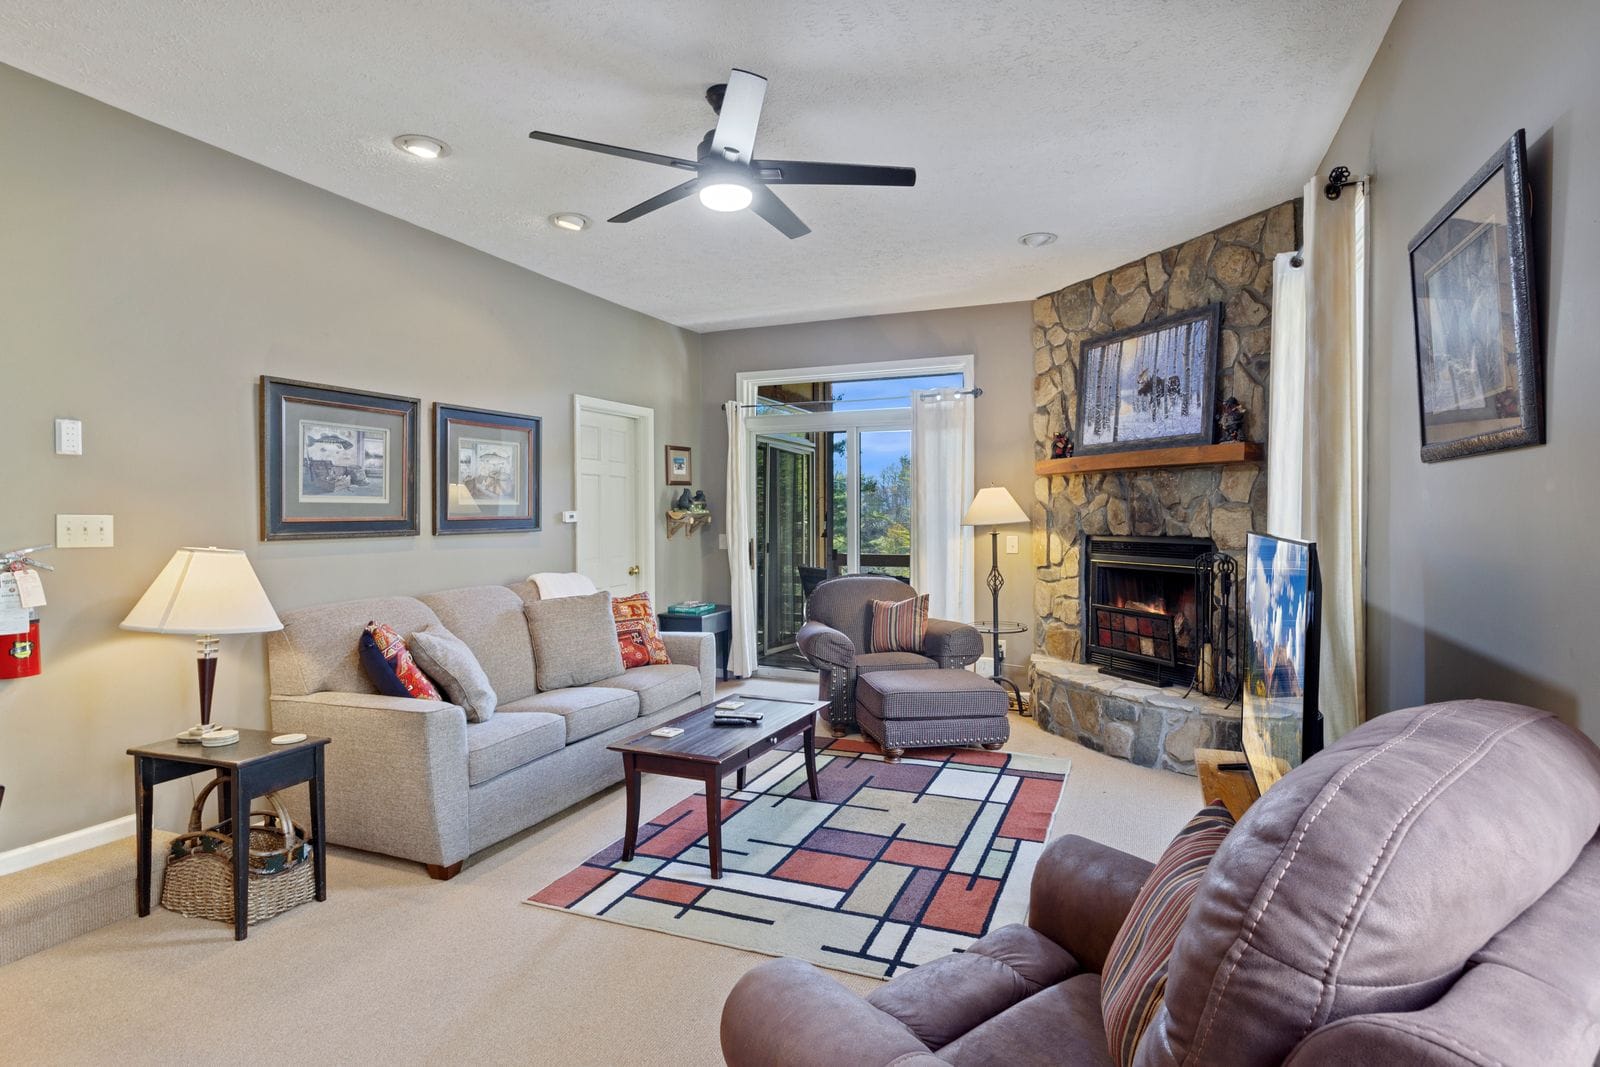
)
(1423, 892)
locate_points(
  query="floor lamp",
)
(995, 507)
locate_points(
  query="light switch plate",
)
(722, 542)
(1011, 544)
(569, 516)
(83, 531)
(69, 437)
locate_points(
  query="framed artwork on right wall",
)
(1474, 306)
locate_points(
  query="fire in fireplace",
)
(1141, 606)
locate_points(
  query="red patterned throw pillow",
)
(395, 652)
(899, 625)
(636, 631)
(1133, 983)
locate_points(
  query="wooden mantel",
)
(1191, 456)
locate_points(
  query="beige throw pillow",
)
(446, 659)
(574, 640)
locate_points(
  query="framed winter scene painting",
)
(1150, 386)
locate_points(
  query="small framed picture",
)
(1478, 359)
(336, 462)
(679, 469)
(485, 471)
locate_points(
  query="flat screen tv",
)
(1283, 603)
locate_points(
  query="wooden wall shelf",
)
(686, 520)
(1190, 456)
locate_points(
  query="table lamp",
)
(994, 507)
(205, 592)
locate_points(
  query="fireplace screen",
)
(1141, 606)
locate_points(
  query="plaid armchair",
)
(836, 641)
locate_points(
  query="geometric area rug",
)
(897, 864)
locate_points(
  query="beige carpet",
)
(399, 969)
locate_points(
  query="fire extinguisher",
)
(20, 655)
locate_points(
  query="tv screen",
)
(1283, 592)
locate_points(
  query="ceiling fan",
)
(727, 176)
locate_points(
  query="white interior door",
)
(608, 483)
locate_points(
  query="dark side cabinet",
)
(719, 622)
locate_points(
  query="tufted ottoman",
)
(931, 708)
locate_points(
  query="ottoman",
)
(933, 708)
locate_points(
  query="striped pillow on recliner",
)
(899, 625)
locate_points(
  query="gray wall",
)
(998, 335)
(1481, 574)
(146, 281)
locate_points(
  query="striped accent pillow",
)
(899, 625)
(1133, 983)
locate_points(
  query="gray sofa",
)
(836, 640)
(413, 778)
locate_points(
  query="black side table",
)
(719, 622)
(996, 630)
(252, 767)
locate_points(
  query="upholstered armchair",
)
(836, 641)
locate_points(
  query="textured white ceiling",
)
(1123, 125)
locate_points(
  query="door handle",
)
(633, 570)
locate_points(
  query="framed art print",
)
(679, 469)
(336, 462)
(1150, 386)
(485, 471)
(1478, 361)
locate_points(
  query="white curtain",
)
(941, 489)
(741, 566)
(1316, 438)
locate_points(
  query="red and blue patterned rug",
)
(896, 864)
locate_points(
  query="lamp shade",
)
(204, 591)
(994, 506)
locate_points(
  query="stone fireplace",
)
(1210, 504)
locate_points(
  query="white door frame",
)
(644, 453)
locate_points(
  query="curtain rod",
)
(938, 394)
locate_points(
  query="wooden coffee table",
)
(706, 752)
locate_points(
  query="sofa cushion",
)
(506, 742)
(318, 649)
(899, 625)
(446, 659)
(489, 620)
(1060, 1024)
(1134, 980)
(941, 1000)
(892, 661)
(659, 685)
(380, 672)
(587, 710)
(411, 677)
(637, 634)
(574, 640)
(933, 693)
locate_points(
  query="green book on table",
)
(692, 608)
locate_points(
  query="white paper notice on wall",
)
(30, 588)
(13, 616)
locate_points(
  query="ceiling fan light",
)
(726, 196)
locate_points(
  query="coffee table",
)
(706, 752)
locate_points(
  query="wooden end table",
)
(706, 752)
(252, 767)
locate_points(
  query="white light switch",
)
(1011, 544)
(569, 516)
(722, 542)
(83, 531)
(69, 437)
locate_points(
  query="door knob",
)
(633, 570)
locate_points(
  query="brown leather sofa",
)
(837, 636)
(1424, 892)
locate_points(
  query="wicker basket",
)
(199, 876)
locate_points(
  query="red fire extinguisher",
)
(19, 653)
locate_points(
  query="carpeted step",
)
(56, 901)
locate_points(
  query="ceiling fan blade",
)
(799, 172)
(766, 204)
(613, 150)
(735, 136)
(660, 200)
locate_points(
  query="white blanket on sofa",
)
(554, 584)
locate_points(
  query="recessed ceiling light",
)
(1037, 239)
(726, 196)
(420, 146)
(570, 220)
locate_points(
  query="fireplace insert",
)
(1141, 606)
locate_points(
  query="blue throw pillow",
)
(378, 669)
